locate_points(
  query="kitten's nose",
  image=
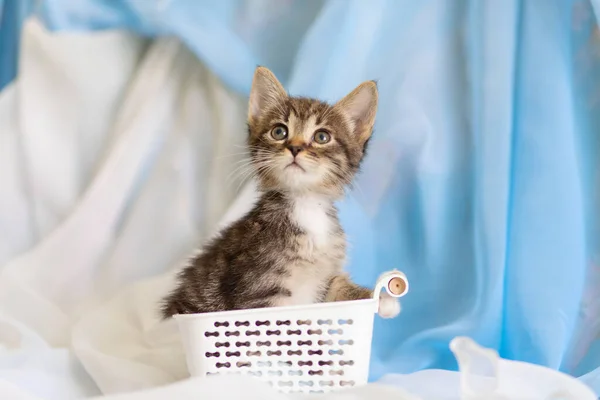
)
(295, 150)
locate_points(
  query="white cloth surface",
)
(110, 146)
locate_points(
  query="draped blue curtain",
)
(483, 179)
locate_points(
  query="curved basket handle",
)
(394, 282)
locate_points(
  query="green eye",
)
(322, 137)
(279, 132)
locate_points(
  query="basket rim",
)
(264, 310)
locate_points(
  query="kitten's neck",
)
(316, 200)
(314, 214)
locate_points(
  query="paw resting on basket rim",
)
(389, 306)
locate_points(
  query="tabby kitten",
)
(290, 248)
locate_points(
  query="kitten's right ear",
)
(360, 106)
(266, 92)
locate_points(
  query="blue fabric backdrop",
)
(483, 180)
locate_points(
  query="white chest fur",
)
(310, 214)
(320, 250)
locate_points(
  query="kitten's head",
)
(301, 145)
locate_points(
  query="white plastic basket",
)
(314, 348)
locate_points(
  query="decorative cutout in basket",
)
(312, 348)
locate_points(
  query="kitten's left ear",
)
(360, 106)
(266, 92)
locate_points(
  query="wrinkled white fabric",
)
(106, 148)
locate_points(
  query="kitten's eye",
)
(322, 137)
(279, 132)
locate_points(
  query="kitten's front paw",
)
(389, 306)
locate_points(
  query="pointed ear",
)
(360, 107)
(266, 92)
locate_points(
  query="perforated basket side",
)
(315, 348)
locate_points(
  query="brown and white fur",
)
(290, 249)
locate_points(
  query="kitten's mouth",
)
(295, 165)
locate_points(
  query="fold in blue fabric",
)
(12, 14)
(483, 179)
